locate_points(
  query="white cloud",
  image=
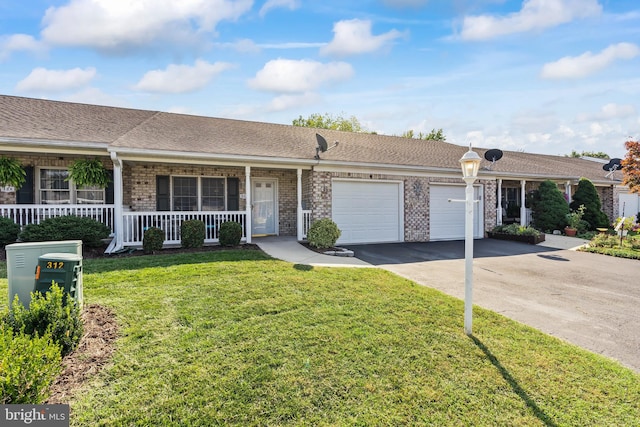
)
(273, 4)
(19, 42)
(534, 15)
(181, 78)
(291, 76)
(118, 25)
(571, 67)
(287, 102)
(41, 79)
(354, 37)
(609, 112)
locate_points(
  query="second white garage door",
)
(367, 211)
(447, 218)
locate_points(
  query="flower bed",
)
(532, 240)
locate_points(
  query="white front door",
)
(264, 216)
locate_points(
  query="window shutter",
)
(24, 195)
(163, 194)
(233, 194)
(108, 192)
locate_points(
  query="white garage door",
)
(629, 204)
(367, 211)
(447, 218)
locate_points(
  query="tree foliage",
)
(434, 135)
(328, 121)
(595, 154)
(586, 195)
(549, 207)
(631, 166)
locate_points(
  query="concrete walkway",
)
(288, 249)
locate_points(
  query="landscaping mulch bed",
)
(93, 353)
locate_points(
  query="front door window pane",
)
(185, 194)
(53, 187)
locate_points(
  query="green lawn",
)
(236, 338)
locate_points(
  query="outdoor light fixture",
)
(470, 164)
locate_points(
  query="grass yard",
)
(236, 338)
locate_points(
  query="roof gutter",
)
(31, 145)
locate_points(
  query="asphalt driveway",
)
(590, 300)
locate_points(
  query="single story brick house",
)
(171, 167)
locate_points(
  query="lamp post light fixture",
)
(470, 164)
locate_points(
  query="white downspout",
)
(118, 219)
(299, 216)
(499, 210)
(247, 180)
(567, 191)
(523, 208)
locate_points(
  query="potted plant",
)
(11, 173)
(88, 173)
(574, 219)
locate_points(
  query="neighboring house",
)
(171, 167)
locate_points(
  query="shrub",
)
(604, 241)
(516, 229)
(69, 227)
(587, 195)
(192, 234)
(230, 233)
(9, 231)
(29, 367)
(152, 240)
(323, 233)
(549, 207)
(54, 313)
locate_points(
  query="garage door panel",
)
(367, 212)
(447, 219)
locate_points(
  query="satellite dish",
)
(493, 156)
(322, 143)
(611, 167)
(323, 146)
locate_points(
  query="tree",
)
(587, 195)
(434, 135)
(549, 207)
(328, 121)
(597, 155)
(631, 166)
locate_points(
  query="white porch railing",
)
(34, 214)
(306, 222)
(528, 219)
(135, 224)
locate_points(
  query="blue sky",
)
(540, 76)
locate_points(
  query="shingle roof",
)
(152, 131)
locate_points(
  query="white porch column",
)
(567, 191)
(299, 216)
(523, 208)
(499, 209)
(118, 220)
(247, 181)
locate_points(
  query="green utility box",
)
(22, 260)
(62, 268)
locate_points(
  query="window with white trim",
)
(54, 188)
(198, 193)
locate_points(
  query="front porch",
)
(134, 224)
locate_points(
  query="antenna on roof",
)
(493, 156)
(612, 167)
(323, 146)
